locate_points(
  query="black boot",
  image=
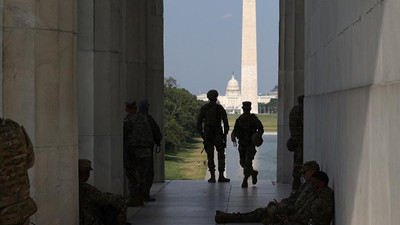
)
(222, 178)
(212, 179)
(244, 183)
(222, 217)
(254, 177)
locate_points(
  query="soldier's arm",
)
(200, 122)
(235, 130)
(260, 127)
(97, 197)
(225, 120)
(29, 146)
(155, 129)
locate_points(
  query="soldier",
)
(287, 205)
(96, 207)
(130, 160)
(210, 129)
(296, 136)
(17, 156)
(247, 128)
(157, 136)
(318, 208)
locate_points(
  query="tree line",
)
(180, 117)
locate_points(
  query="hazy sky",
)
(203, 43)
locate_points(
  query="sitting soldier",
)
(286, 206)
(318, 208)
(96, 207)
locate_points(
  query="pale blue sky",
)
(203, 43)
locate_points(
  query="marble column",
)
(291, 77)
(101, 91)
(39, 91)
(249, 54)
(144, 62)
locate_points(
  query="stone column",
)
(291, 77)
(144, 62)
(249, 54)
(39, 91)
(101, 101)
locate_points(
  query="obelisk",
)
(249, 54)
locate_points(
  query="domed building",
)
(232, 100)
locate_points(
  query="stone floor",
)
(195, 202)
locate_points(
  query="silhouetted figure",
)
(209, 127)
(249, 130)
(296, 139)
(96, 207)
(17, 156)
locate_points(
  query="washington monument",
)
(249, 54)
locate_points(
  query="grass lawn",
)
(182, 165)
(270, 122)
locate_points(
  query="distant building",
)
(232, 100)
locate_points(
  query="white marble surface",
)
(352, 107)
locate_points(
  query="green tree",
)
(181, 112)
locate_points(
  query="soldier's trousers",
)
(221, 158)
(149, 176)
(259, 214)
(297, 165)
(136, 174)
(246, 154)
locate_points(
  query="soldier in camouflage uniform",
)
(296, 135)
(141, 132)
(317, 208)
(157, 136)
(96, 207)
(209, 127)
(16, 157)
(287, 205)
(245, 127)
(130, 160)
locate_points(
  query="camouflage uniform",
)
(245, 127)
(98, 208)
(296, 133)
(149, 174)
(16, 157)
(137, 154)
(211, 115)
(295, 201)
(318, 207)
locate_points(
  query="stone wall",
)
(291, 78)
(39, 91)
(352, 107)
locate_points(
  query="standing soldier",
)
(210, 129)
(249, 130)
(157, 136)
(16, 154)
(130, 160)
(296, 138)
(96, 207)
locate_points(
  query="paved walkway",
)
(195, 202)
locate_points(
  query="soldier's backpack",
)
(141, 135)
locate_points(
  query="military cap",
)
(291, 144)
(300, 98)
(246, 105)
(85, 164)
(130, 105)
(256, 139)
(310, 165)
(212, 94)
(144, 105)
